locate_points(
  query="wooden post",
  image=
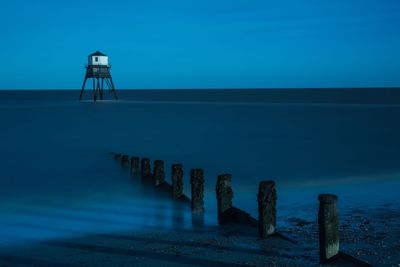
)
(125, 161)
(177, 181)
(145, 167)
(197, 182)
(328, 224)
(134, 165)
(224, 194)
(266, 208)
(159, 174)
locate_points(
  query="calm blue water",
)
(57, 180)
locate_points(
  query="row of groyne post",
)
(328, 218)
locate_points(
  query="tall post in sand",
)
(266, 208)
(328, 224)
(125, 161)
(224, 194)
(177, 181)
(134, 165)
(197, 182)
(145, 167)
(159, 174)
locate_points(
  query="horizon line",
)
(216, 88)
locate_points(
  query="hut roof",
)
(98, 54)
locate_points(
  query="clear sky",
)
(202, 43)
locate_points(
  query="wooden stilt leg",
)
(113, 89)
(94, 89)
(102, 88)
(83, 88)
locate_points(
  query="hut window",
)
(96, 59)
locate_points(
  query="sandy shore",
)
(370, 235)
(230, 246)
(172, 248)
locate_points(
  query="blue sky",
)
(202, 44)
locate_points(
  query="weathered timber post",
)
(134, 165)
(224, 194)
(197, 182)
(266, 208)
(159, 174)
(328, 224)
(145, 167)
(177, 181)
(125, 161)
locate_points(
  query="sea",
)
(58, 178)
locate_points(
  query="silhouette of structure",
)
(98, 70)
